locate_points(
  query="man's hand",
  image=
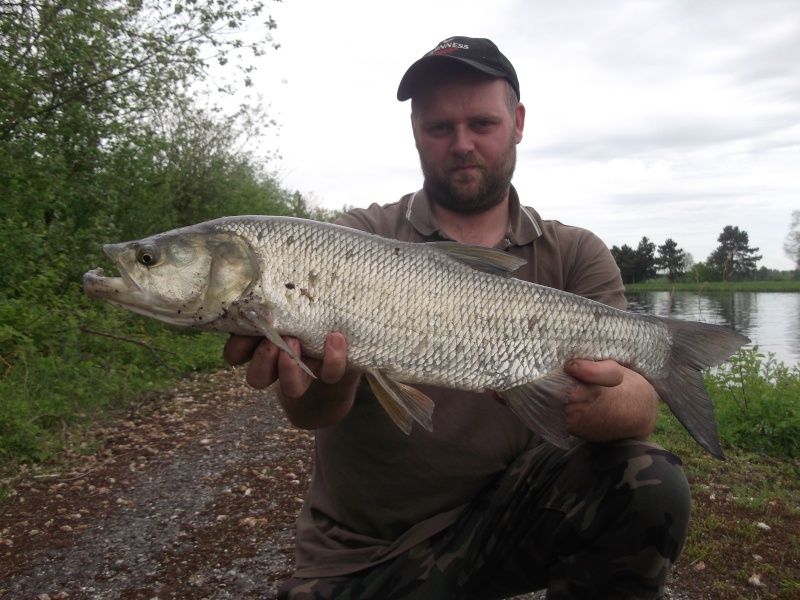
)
(268, 363)
(308, 403)
(609, 402)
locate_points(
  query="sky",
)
(656, 118)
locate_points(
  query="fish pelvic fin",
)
(259, 317)
(403, 403)
(695, 346)
(540, 405)
(488, 260)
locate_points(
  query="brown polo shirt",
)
(376, 492)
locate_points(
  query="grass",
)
(744, 533)
(745, 521)
(744, 536)
(82, 375)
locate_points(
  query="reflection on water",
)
(770, 320)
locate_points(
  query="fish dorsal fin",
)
(403, 403)
(488, 260)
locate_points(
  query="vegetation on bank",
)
(108, 132)
(663, 285)
(744, 535)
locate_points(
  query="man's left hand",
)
(609, 401)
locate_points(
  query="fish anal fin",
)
(489, 260)
(259, 316)
(403, 403)
(540, 405)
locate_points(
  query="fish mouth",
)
(97, 285)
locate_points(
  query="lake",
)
(771, 320)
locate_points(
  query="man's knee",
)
(657, 495)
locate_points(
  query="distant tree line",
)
(733, 260)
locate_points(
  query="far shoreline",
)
(715, 286)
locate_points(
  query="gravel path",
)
(193, 497)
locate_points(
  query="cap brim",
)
(434, 67)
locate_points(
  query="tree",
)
(636, 265)
(734, 258)
(792, 244)
(625, 258)
(83, 84)
(672, 259)
(645, 260)
(60, 58)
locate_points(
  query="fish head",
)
(185, 277)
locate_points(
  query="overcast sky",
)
(657, 118)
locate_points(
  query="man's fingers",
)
(268, 363)
(334, 362)
(239, 349)
(294, 380)
(262, 371)
(606, 373)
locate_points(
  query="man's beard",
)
(491, 191)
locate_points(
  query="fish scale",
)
(442, 314)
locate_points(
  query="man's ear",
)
(520, 113)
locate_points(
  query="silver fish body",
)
(442, 314)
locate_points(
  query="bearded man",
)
(480, 507)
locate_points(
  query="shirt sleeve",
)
(376, 219)
(592, 272)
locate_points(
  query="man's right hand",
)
(308, 404)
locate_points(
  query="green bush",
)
(108, 133)
(757, 402)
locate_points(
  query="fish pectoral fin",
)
(489, 260)
(403, 403)
(540, 405)
(259, 317)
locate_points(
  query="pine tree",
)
(672, 259)
(734, 258)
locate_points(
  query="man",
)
(480, 507)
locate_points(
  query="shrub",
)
(757, 402)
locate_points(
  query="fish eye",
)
(147, 256)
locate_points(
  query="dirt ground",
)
(194, 497)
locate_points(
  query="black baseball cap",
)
(474, 53)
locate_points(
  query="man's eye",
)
(438, 129)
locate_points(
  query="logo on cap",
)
(447, 46)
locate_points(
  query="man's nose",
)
(463, 142)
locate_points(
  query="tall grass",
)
(73, 368)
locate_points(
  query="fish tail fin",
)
(695, 346)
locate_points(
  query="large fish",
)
(444, 314)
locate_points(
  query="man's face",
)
(466, 137)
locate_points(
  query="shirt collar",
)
(523, 228)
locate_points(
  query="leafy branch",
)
(153, 351)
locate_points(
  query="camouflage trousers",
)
(603, 521)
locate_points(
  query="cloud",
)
(690, 109)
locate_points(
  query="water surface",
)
(770, 319)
